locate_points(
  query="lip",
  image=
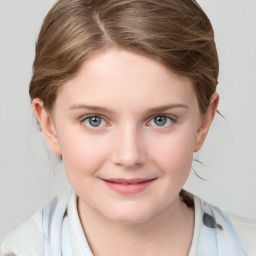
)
(128, 186)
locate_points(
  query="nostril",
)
(128, 149)
(129, 161)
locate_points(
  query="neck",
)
(168, 233)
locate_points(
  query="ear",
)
(46, 122)
(206, 121)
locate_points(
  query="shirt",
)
(28, 238)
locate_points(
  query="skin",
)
(128, 91)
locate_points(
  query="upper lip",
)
(128, 181)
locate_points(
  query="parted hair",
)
(177, 33)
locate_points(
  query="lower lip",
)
(128, 189)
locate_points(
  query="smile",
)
(128, 187)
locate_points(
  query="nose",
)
(129, 151)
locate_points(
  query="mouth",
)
(128, 186)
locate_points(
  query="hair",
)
(177, 33)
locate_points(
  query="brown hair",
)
(176, 33)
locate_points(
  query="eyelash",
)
(171, 119)
(91, 116)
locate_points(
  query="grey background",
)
(30, 175)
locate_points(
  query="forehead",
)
(122, 77)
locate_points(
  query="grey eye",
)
(94, 121)
(160, 120)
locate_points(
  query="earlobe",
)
(206, 121)
(47, 125)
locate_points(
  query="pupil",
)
(94, 121)
(160, 120)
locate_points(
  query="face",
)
(126, 128)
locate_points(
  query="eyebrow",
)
(103, 109)
(89, 107)
(167, 107)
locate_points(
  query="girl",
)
(125, 93)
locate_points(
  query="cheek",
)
(82, 155)
(174, 153)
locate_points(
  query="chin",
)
(135, 219)
(131, 215)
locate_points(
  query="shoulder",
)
(246, 229)
(26, 239)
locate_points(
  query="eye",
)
(161, 120)
(94, 121)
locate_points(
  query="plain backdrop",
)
(29, 174)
